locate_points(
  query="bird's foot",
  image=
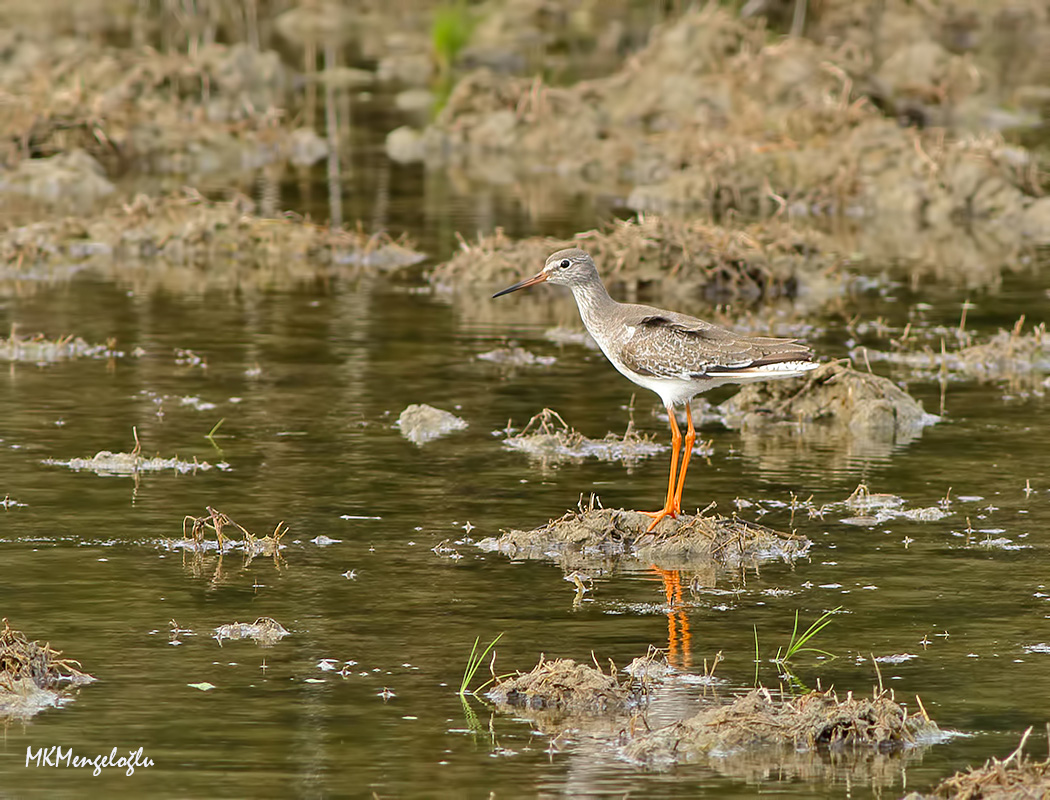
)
(666, 511)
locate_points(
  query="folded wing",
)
(684, 347)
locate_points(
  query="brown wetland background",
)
(272, 461)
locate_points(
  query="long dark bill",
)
(540, 278)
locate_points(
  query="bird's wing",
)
(677, 346)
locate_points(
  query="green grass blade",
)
(799, 643)
(474, 662)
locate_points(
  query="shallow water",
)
(310, 440)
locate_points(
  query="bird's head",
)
(564, 267)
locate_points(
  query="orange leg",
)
(690, 439)
(676, 443)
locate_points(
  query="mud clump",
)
(72, 181)
(1014, 778)
(565, 686)
(548, 439)
(129, 464)
(871, 509)
(215, 107)
(515, 356)
(33, 676)
(195, 536)
(585, 537)
(761, 261)
(420, 423)
(818, 720)
(1008, 355)
(265, 631)
(863, 403)
(41, 350)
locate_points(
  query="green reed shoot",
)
(449, 33)
(474, 662)
(757, 659)
(799, 642)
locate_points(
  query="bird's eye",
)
(564, 264)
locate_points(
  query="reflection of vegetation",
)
(449, 33)
(474, 661)
(799, 642)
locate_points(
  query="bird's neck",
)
(593, 301)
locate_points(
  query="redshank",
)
(672, 354)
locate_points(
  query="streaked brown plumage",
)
(675, 355)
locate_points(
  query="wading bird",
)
(672, 354)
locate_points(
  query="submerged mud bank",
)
(598, 536)
(185, 241)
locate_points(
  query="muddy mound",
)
(1011, 356)
(863, 403)
(265, 631)
(565, 686)
(598, 535)
(514, 356)
(714, 115)
(1014, 778)
(174, 111)
(548, 439)
(106, 463)
(69, 181)
(758, 261)
(420, 423)
(184, 241)
(34, 676)
(757, 720)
